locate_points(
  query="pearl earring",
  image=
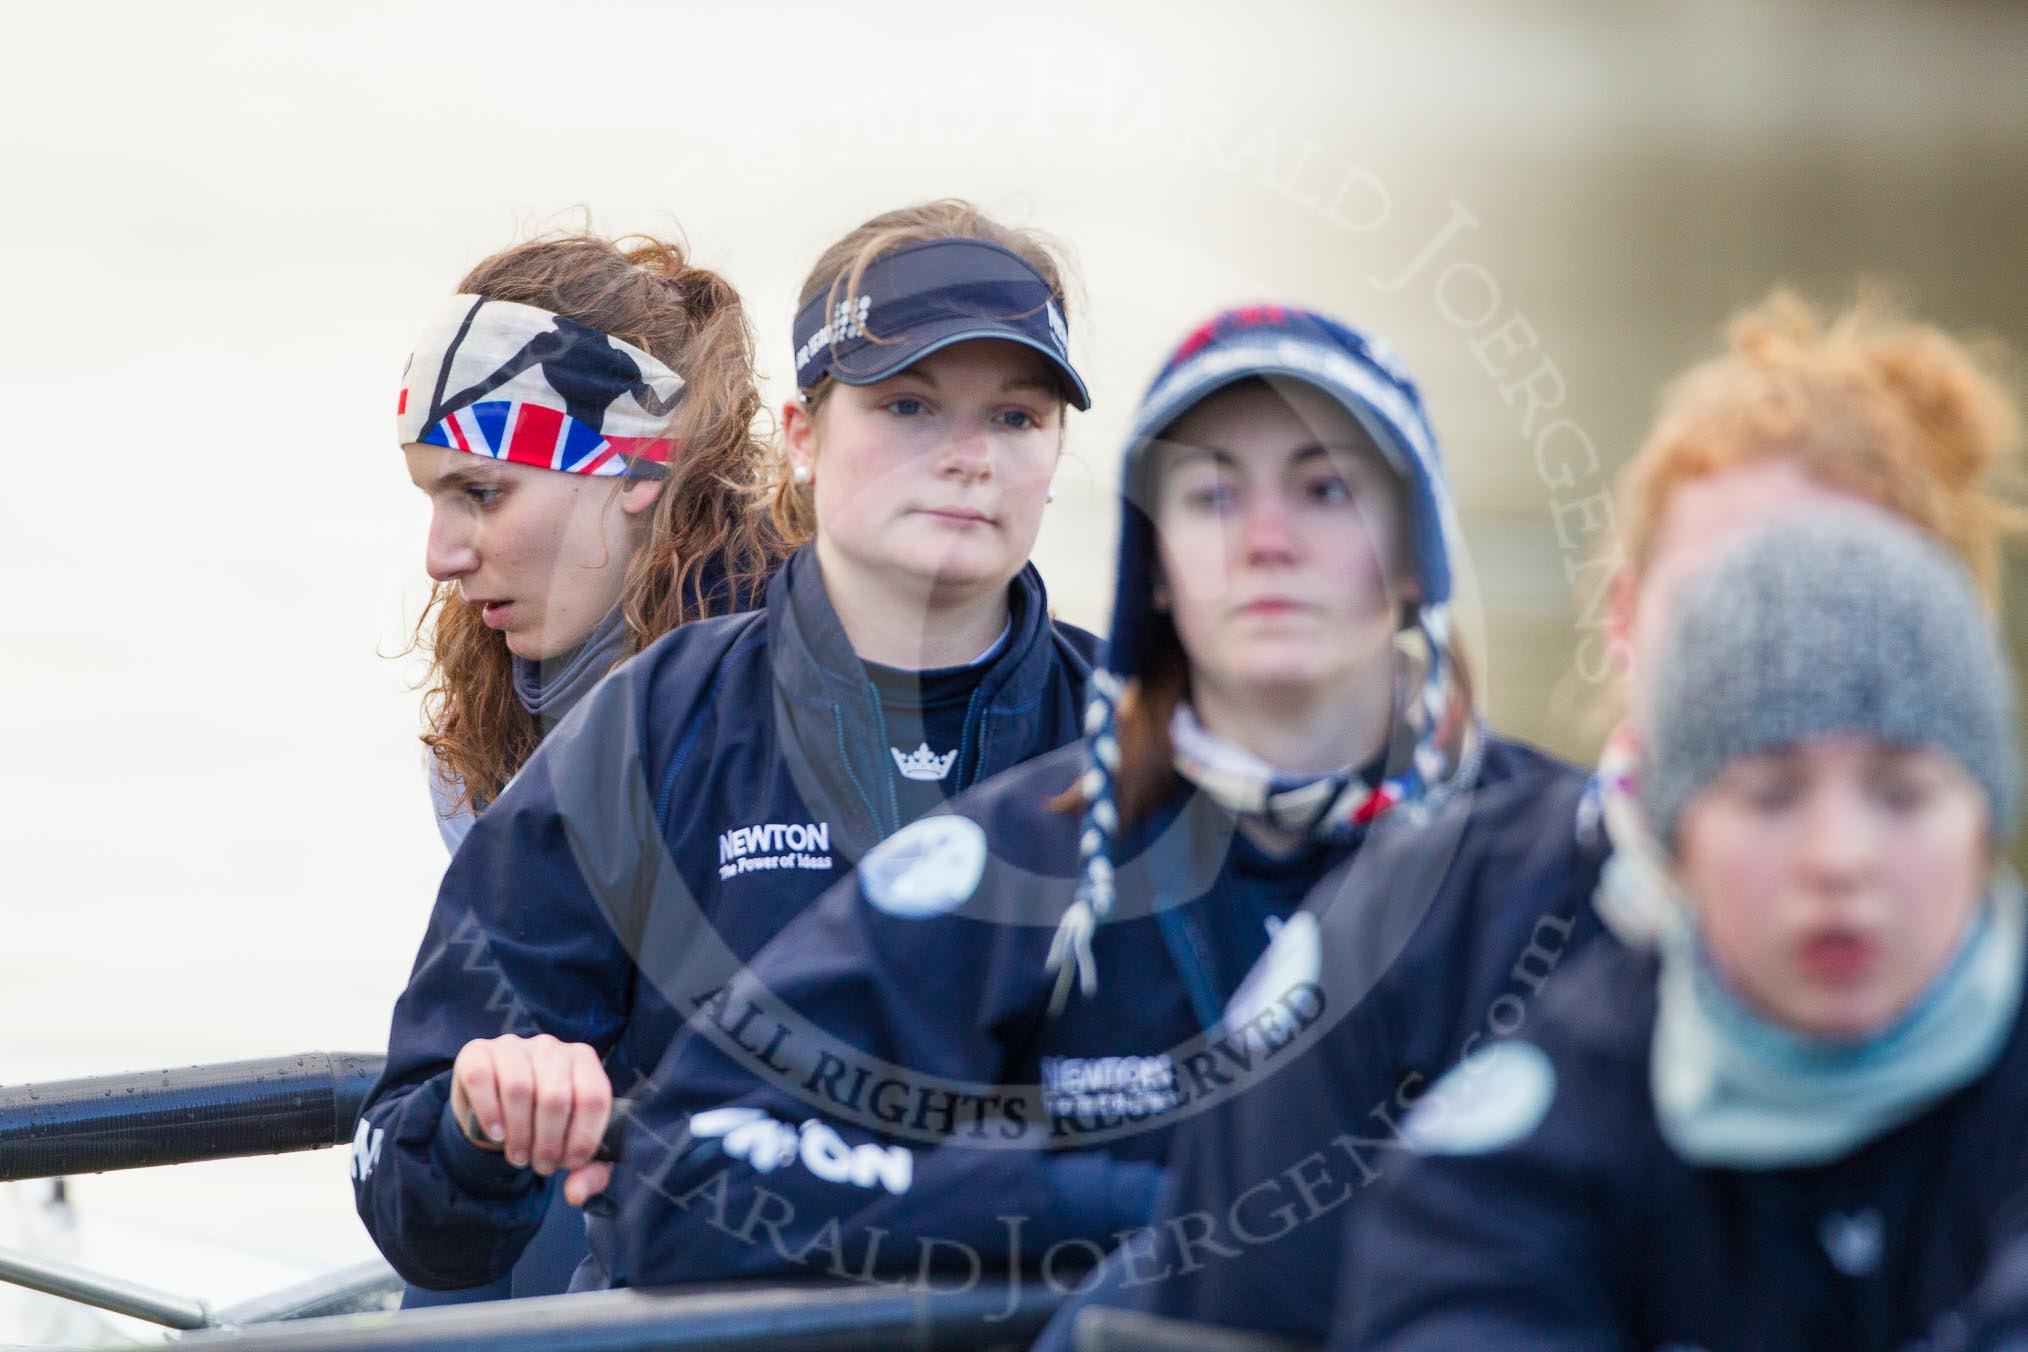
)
(801, 474)
(1049, 496)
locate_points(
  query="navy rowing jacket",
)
(1434, 941)
(886, 1089)
(699, 798)
(1590, 1233)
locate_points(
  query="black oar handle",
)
(138, 1120)
(611, 1145)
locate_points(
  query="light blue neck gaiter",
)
(1733, 1090)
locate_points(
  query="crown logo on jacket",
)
(923, 763)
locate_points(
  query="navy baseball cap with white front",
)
(923, 298)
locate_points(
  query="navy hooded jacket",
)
(678, 818)
(885, 1089)
(1434, 942)
(1588, 1232)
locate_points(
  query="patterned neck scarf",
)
(1334, 806)
(1436, 719)
(1637, 897)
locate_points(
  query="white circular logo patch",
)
(926, 868)
(1295, 958)
(1494, 1098)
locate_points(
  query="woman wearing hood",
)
(1495, 896)
(969, 1054)
(1794, 1115)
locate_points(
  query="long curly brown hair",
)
(702, 551)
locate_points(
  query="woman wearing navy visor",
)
(698, 798)
(984, 1034)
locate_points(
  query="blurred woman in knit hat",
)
(1795, 1114)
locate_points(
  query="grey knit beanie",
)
(1845, 622)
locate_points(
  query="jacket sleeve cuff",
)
(479, 1172)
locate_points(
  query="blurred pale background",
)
(221, 224)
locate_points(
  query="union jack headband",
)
(514, 382)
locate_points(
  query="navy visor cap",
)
(923, 298)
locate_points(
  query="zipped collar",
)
(834, 736)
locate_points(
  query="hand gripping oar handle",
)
(134, 1121)
(612, 1142)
